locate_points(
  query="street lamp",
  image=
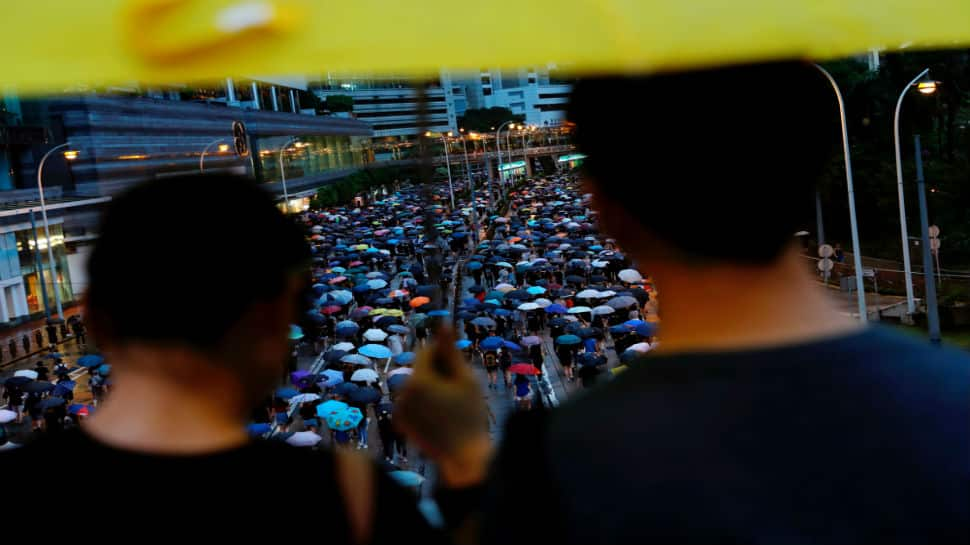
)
(70, 155)
(222, 149)
(471, 188)
(451, 188)
(286, 195)
(498, 145)
(926, 88)
(853, 223)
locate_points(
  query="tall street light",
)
(222, 149)
(471, 187)
(70, 155)
(451, 187)
(498, 145)
(853, 222)
(926, 88)
(286, 195)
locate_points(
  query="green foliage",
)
(952, 294)
(487, 119)
(344, 190)
(340, 103)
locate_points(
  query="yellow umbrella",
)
(65, 44)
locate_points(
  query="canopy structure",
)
(58, 45)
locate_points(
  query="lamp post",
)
(222, 149)
(451, 187)
(498, 146)
(907, 267)
(70, 156)
(853, 222)
(286, 195)
(471, 188)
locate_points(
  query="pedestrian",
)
(504, 363)
(523, 393)
(536, 356)
(565, 355)
(42, 371)
(39, 338)
(490, 362)
(12, 346)
(51, 335)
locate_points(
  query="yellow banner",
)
(53, 45)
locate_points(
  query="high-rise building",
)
(533, 92)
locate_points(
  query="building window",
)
(487, 91)
(551, 107)
(532, 80)
(553, 95)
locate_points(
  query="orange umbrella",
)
(418, 301)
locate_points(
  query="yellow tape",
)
(52, 45)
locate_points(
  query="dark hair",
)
(695, 156)
(180, 259)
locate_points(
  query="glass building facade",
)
(312, 155)
(27, 253)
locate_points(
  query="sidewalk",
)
(29, 328)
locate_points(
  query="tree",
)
(487, 119)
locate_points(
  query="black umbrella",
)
(575, 280)
(477, 288)
(589, 332)
(517, 294)
(38, 386)
(52, 402)
(17, 381)
(558, 322)
(365, 395)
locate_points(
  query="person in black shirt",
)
(766, 415)
(170, 441)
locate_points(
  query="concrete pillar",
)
(256, 101)
(20, 299)
(4, 315)
(293, 105)
(230, 90)
(273, 98)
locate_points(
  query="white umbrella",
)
(543, 303)
(504, 288)
(7, 416)
(600, 310)
(376, 284)
(528, 306)
(642, 348)
(504, 264)
(304, 439)
(29, 373)
(346, 347)
(401, 371)
(364, 375)
(375, 335)
(600, 264)
(316, 229)
(588, 294)
(303, 398)
(375, 274)
(630, 276)
(579, 310)
(607, 293)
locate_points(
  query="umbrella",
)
(332, 356)
(407, 479)
(333, 378)
(90, 361)
(52, 402)
(588, 332)
(568, 340)
(17, 381)
(405, 358)
(376, 284)
(419, 301)
(80, 410)
(536, 290)
(623, 301)
(344, 346)
(463, 344)
(543, 303)
(53, 356)
(375, 351)
(331, 406)
(579, 310)
(364, 375)
(304, 398)
(27, 373)
(356, 359)
(375, 335)
(346, 388)
(438, 313)
(634, 323)
(484, 321)
(528, 307)
(646, 329)
(330, 309)
(492, 343)
(473, 265)
(620, 329)
(603, 310)
(364, 396)
(296, 333)
(255, 430)
(297, 376)
(341, 296)
(530, 341)
(304, 439)
(476, 288)
(397, 381)
(37, 387)
(504, 288)
(556, 309)
(642, 348)
(523, 369)
(286, 393)
(588, 294)
(7, 416)
(104, 370)
(398, 328)
(630, 276)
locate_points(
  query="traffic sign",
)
(825, 251)
(934, 231)
(825, 264)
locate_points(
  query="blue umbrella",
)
(646, 329)
(405, 358)
(536, 290)
(356, 359)
(90, 361)
(436, 313)
(346, 388)
(375, 351)
(463, 344)
(395, 382)
(474, 265)
(364, 396)
(502, 312)
(568, 340)
(78, 407)
(332, 377)
(492, 343)
(54, 356)
(620, 329)
(634, 323)
(406, 479)
(508, 345)
(331, 406)
(556, 309)
(255, 430)
(398, 328)
(104, 370)
(52, 402)
(286, 393)
(295, 333)
(347, 419)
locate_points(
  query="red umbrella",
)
(332, 309)
(338, 280)
(523, 369)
